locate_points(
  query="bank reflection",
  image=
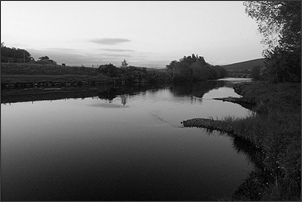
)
(254, 185)
(188, 92)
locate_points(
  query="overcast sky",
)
(145, 33)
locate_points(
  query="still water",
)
(130, 146)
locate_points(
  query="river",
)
(122, 145)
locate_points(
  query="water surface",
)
(130, 146)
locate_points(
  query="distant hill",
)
(244, 66)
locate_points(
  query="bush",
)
(255, 74)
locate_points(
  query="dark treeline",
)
(194, 68)
(131, 74)
(17, 55)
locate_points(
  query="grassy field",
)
(243, 69)
(246, 65)
(53, 78)
(280, 97)
(29, 73)
(38, 69)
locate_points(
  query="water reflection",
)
(123, 92)
(193, 91)
(109, 105)
(197, 89)
(124, 98)
(119, 144)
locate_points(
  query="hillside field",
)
(243, 66)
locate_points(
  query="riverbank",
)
(26, 75)
(276, 130)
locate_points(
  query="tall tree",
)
(124, 64)
(280, 24)
(14, 55)
(277, 20)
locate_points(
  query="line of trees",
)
(131, 74)
(17, 55)
(194, 68)
(280, 24)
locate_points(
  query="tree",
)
(194, 68)
(171, 67)
(109, 70)
(276, 19)
(220, 71)
(14, 55)
(199, 71)
(280, 24)
(124, 64)
(45, 60)
(255, 74)
(282, 66)
(182, 72)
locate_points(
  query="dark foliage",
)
(255, 73)
(15, 55)
(282, 66)
(194, 68)
(131, 74)
(45, 60)
(280, 24)
(109, 70)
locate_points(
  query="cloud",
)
(115, 55)
(109, 41)
(117, 50)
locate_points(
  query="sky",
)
(144, 33)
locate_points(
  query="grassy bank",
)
(269, 98)
(13, 73)
(276, 130)
(34, 73)
(39, 69)
(53, 78)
